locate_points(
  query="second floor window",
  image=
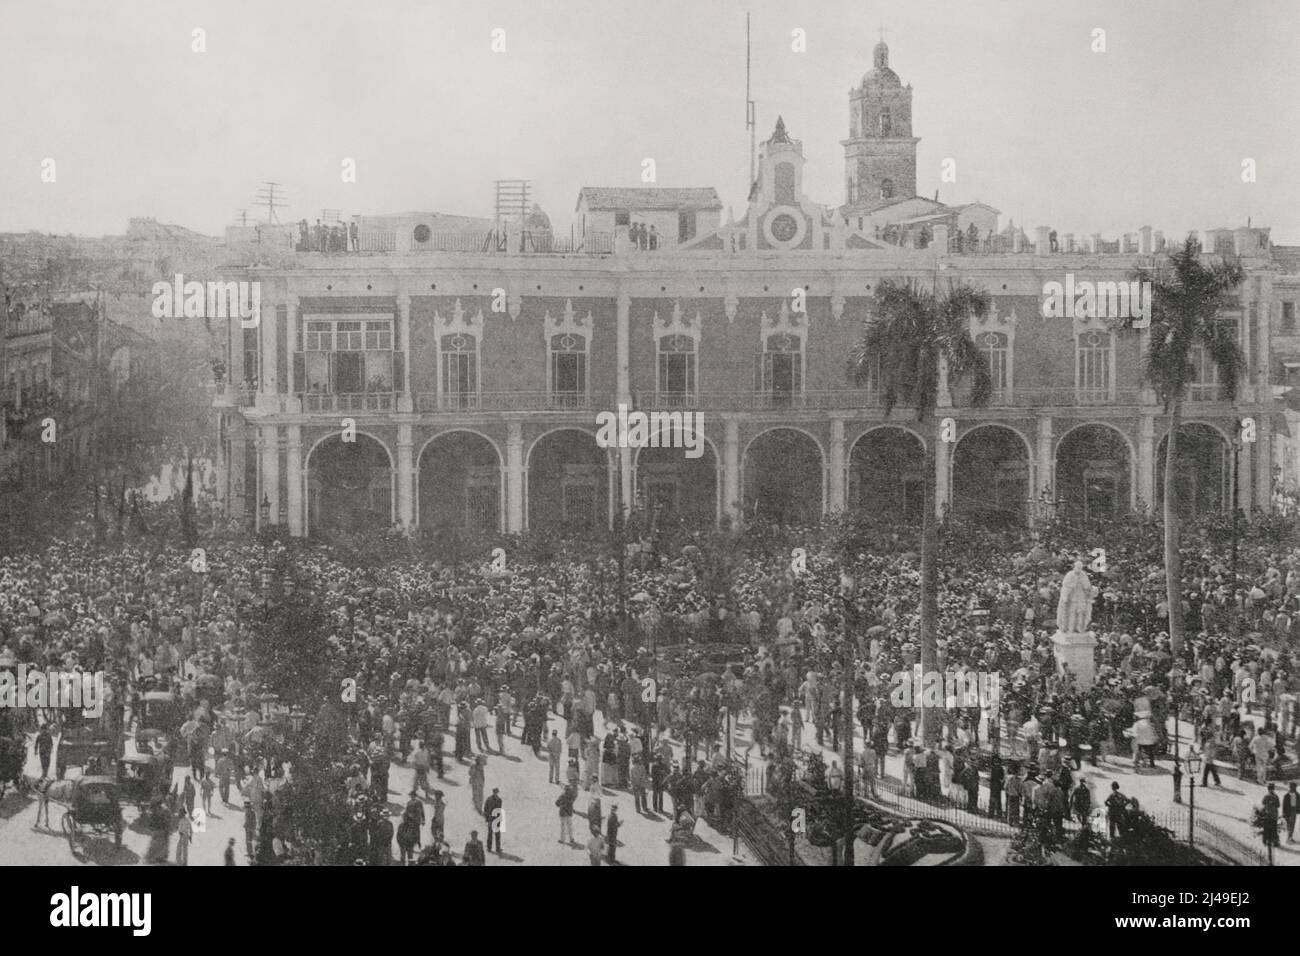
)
(780, 372)
(677, 365)
(997, 356)
(1094, 374)
(567, 370)
(344, 356)
(1204, 385)
(1288, 318)
(458, 373)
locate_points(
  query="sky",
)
(1152, 131)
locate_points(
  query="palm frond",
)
(1188, 294)
(911, 333)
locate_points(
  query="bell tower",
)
(880, 153)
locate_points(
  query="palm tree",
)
(1186, 298)
(910, 335)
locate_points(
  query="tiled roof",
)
(634, 198)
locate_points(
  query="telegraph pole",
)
(267, 196)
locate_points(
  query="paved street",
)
(530, 836)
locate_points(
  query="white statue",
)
(1074, 610)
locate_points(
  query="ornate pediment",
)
(784, 322)
(459, 322)
(678, 324)
(567, 323)
(995, 321)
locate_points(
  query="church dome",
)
(880, 74)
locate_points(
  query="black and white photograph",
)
(730, 433)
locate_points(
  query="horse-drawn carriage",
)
(88, 746)
(146, 781)
(95, 806)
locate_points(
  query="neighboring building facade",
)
(471, 380)
(51, 356)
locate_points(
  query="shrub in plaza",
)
(1143, 842)
(1027, 848)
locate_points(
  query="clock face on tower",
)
(784, 227)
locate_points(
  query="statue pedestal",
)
(1075, 649)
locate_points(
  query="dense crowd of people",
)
(627, 673)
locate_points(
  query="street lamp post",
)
(1193, 765)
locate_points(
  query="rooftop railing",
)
(493, 242)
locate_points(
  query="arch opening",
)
(678, 489)
(783, 477)
(568, 482)
(1093, 473)
(460, 483)
(1202, 470)
(349, 485)
(887, 474)
(990, 476)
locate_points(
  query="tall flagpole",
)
(751, 115)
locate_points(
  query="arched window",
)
(784, 184)
(887, 189)
(996, 350)
(567, 371)
(886, 123)
(458, 374)
(1095, 378)
(677, 359)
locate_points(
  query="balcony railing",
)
(775, 399)
(845, 399)
(1068, 397)
(315, 402)
(510, 402)
(669, 400)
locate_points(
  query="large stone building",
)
(473, 377)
